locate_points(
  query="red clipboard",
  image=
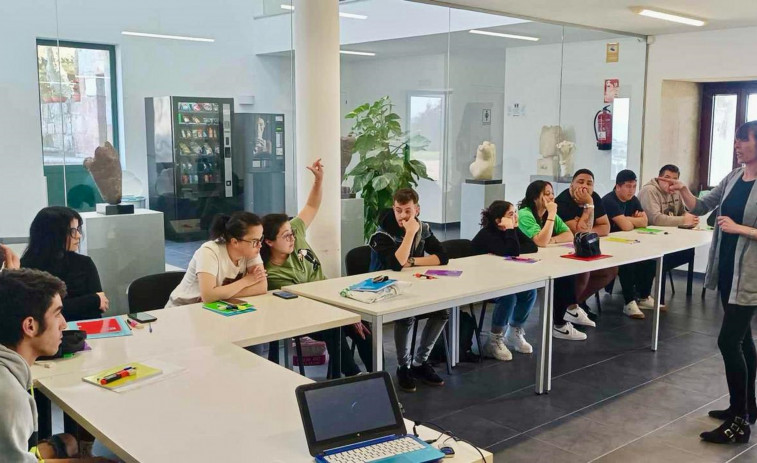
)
(575, 257)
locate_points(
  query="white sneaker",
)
(576, 315)
(632, 310)
(516, 337)
(495, 347)
(648, 304)
(567, 331)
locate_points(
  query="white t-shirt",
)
(212, 258)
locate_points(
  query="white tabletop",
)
(227, 405)
(186, 327)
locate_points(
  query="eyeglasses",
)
(73, 231)
(287, 236)
(256, 243)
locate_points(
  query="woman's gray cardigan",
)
(744, 287)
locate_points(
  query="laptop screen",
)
(349, 409)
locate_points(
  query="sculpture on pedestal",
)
(550, 136)
(105, 169)
(566, 149)
(486, 157)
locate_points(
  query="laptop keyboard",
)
(376, 451)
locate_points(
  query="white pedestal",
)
(474, 198)
(124, 248)
(352, 226)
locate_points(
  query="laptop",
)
(358, 419)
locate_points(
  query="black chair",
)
(358, 260)
(457, 249)
(152, 292)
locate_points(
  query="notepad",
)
(142, 372)
(444, 273)
(369, 285)
(108, 327)
(227, 309)
(648, 231)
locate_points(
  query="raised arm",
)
(308, 213)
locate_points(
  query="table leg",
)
(454, 337)
(690, 274)
(377, 325)
(544, 360)
(656, 292)
(287, 353)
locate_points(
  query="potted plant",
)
(384, 165)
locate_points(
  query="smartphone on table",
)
(142, 317)
(285, 295)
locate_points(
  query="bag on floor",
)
(313, 352)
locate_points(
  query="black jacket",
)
(388, 238)
(511, 242)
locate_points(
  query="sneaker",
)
(648, 304)
(495, 347)
(592, 316)
(426, 373)
(568, 331)
(405, 379)
(632, 310)
(576, 315)
(516, 337)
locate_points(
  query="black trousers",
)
(564, 296)
(636, 279)
(739, 356)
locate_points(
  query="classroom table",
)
(225, 405)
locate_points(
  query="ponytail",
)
(496, 210)
(225, 227)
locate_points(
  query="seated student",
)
(500, 235)
(289, 260)
(402, 240)
(54, 238)
(626, 213)
(8, 259)
(31, 325)
(227, 266)
(666, 208)
(539, 221)
(580, 207)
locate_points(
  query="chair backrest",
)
(358, 260)
(458, 248)
(152, 291)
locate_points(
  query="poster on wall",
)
(612, 87)
(613, 52)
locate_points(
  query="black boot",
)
(734, 430)
(728, 413)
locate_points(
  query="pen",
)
(150, 327)
(128, 371)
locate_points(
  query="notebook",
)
(228, 309)
(101, 327)
(370, 286)
(142, 372)
(444, 273)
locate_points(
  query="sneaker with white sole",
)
(495, 347)
(577, 316)
(567, 331)
(648, 304)
(516, 337)
(632, 310)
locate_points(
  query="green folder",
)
(227, 309)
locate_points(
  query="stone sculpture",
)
(105, 169)
(486, 157)
(566, 149)
(550, 136)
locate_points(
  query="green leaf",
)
(381, 182)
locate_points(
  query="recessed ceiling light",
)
(657, 14)
(359, 53)
(163, 36)
(343, 15)
(507, 36)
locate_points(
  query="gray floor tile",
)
(747, 456)
(478, 430)
(684, 434)
(660, 394)
(626, 416)
(650, 449)
(522, 449)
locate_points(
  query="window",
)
(725, 106)
(77, 97)
(426, 113)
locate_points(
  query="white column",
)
(316, 76)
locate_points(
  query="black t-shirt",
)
(615, 207)
(569, 209)
(733, 206)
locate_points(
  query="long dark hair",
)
(496, 210)
(533, 192)
(742, 133)
(48, 236)
(272, 223)
(225, 227)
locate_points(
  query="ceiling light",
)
(173, 37)
(359, 53)
(343, 15)
(667, 16)
(507, 36)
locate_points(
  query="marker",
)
(128, 371)
(150, 326)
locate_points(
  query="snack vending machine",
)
(190, 163)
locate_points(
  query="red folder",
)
(105, 325)
(575, 257)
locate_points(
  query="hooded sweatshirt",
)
(663, 209)
(388, 238)
(18, 412)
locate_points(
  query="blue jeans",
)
(513, 309)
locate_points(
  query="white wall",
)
(681, 102)
(698, 57)
(150, 67)
(564, 84)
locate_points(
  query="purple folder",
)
(444, 273)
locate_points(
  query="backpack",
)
(467, 332)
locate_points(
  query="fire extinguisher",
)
(603, 129)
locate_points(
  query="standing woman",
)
(54, 239)
(538, 220)
(732, 269)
